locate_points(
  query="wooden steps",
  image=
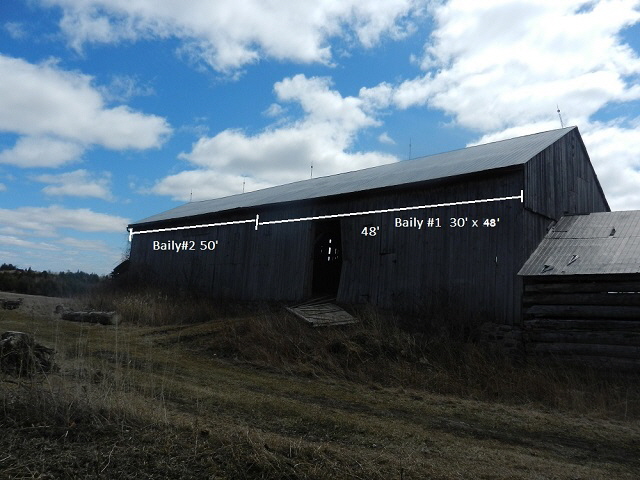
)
(322, 312)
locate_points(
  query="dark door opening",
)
(327, 258)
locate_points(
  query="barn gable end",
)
(560, 180)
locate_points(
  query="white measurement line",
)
(399, 209)
(257, 221)
(189, 227)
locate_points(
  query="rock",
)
(103, 318)
(21, 355)
(59, 309)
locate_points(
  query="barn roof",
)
(597, 243)
(504, 153)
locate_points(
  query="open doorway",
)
(327, 258)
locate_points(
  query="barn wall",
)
(271, 263)
(464, 272)
(458, 273)
(561, 180)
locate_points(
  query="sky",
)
(114, 110)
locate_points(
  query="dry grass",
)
(260, 395)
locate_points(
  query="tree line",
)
(31, 282)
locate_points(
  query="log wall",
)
(584, 319)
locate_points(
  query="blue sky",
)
(114, 110)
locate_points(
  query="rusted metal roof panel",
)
(505, 153)
(598, 243)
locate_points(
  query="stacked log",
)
(103, 318)
(594, 323)
(11, 304)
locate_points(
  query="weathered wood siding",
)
(561, 180)
(558, 180)
(434, 271)
(584, 319)
(466, 274)
(271, 263)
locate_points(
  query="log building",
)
(582, 291)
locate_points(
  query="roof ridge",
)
(391, 163)
(510, 152)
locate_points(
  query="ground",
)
(156, 402)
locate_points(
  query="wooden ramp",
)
(322, 312)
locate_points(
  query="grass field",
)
(253, 393)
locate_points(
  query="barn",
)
(582, 291)
(443, 235)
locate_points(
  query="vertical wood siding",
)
(268, 264)
(467, 273)
(464, 273)
(561, 179)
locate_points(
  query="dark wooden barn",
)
(582, 291)
(443, 235)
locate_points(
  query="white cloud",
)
(496, 64)
(59, 114)
(205, 184)
(385, 138)
(3, 187)
(19, 242)
(324, 137)
(227, 35)
(40, 151)
(79, 183)
(38, 243)
(274, 110)
(45, 221)
(500, 67)
(11, 231)
(615, 153)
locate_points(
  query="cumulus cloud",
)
(615, 151)
(227, 35)
(31, 234)
(60, 113)
(501, 67)
(496, 64)
(45, 221)
(201, 184)
(323, 137)
(41, 151)
(79, 183)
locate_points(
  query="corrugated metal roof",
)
(604, 242)
(505, 153)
